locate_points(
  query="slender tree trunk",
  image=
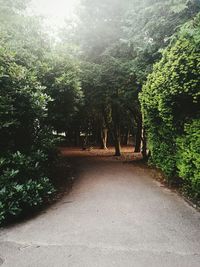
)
(126, 137)
(104, 136)
(117, 138)
(138, 138)
(144, 145)
(116, 116)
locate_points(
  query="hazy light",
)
(54, 11)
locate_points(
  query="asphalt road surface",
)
(116, 215)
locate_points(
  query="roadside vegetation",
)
(123, 73)
(170, 103)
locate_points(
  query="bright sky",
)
(55, 11)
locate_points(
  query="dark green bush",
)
(26, 140)
(15, 197)
(24, 182)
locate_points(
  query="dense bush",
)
(25, 138)
(23, 184)
(188, 160)
(170, 102)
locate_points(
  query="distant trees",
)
(121, 41)
(107, 88)
(60, 75)
(99, 26)
(97, 111)
(105, 77)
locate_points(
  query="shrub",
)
(23, 183)
(188, 158)
(170, 102)
(25, 138)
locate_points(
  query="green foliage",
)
(25, 138)
(23, 104)
(149, 27)
(39, 92)
(188, 159)
(23, 34)
(100, 25)
(109, 92)
(60, 75)
(23, 184)
(170, 101)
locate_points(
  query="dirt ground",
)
(127, 153)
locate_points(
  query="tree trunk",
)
(116, 117)
(138, 139)
(144, 145)
(117, 140)
(126, 137)
(104, 137)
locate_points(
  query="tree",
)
(104, 87)
(99, 26)
(60, 75)
(96, 106)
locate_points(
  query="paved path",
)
(116, 215)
